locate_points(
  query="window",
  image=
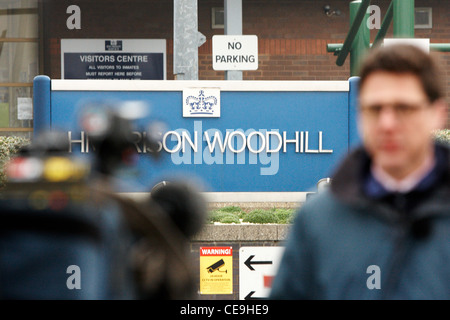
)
(423, 18)
(217, 18)
(18, 65)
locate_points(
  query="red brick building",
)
(292, 34)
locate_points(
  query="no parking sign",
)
(236, 52)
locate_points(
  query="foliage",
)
(285, 216)
(9, 145)
(260, 216)
(233, 214)
(223, 217)
(442, 136)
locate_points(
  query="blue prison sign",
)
(233, 136)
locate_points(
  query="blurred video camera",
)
(62, 206)
(110, 129)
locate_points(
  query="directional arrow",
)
(250, 296)
(249, 262)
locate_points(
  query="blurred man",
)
(382, 230)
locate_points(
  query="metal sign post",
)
(233, 26)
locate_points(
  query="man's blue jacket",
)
(358, 241)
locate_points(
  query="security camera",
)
(329, 12)
(216, 266)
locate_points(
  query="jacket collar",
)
(352, 182)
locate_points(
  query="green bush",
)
(284, 216)
(223, 216)
(233, 214)
(442, 136)
(275, 215)
(260, 216)
(8, 147)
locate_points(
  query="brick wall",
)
(283, 59)
(292, 34)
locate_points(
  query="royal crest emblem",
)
(201, 102)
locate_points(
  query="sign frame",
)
(113, 47)
(234, 52)
(55, 104)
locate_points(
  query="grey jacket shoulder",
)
(349, 174)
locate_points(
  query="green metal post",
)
(442, 47)
(384, 26)
(361, 43)
(357, 41)
(403, 18)
(355, 25)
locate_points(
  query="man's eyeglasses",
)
(400, 110)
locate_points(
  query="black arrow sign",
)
(249, 262)
(250, 296)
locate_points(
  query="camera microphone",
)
(183, 203)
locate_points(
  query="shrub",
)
(8, 147)
(284, 216)
(230, 218)
(260, 216)
(442, 136)
(223, 217)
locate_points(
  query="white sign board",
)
(257, 268)
(423, 44)
(201, 102)
(235, 52)
(25, 108)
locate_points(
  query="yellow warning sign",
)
(216, 270)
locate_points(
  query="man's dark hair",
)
(405, 59)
